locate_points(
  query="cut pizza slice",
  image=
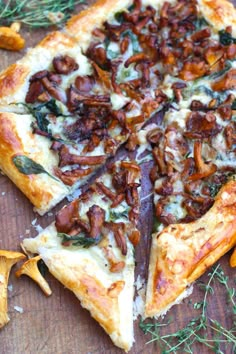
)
(90, 249)
(194, 225)
(181, 253)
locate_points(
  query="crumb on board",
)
(18, 309)
(10, 287)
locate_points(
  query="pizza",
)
(90, 248)
(156, 75)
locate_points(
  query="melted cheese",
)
(179, 116)
(37, 147)
(118, 101)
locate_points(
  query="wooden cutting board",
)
(58, 324)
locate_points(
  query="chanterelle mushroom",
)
(203, 169)
(7, 260)
(30, 268)
(10, 39)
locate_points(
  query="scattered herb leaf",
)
(188, 154)
(233, 106)
(119, 17)
(111, 54)
(79, 240)
(134, 40)
(131, 7)
(200, 23)
(28, 166)
(214, 189)
(41, 117)
(127, 74)
(52, 106)
(219, 73)
(226, 38)
(42, 121)
(114, 215)
(198, 87)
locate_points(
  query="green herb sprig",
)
(37, 13)
(198, 329)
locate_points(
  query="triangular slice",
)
(181, 253)
(89, 249)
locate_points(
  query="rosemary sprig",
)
(198, 329)
(37, 13)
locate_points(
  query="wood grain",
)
(59, 324)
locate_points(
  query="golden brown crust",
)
(92, 293)
(17, 138)
(85, 273)
(232, 261)
(181, 253)
(12, 79)
(56, 41)
(99, 293)
(219, 13)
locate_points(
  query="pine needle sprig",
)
(199, 328)
(36, 13)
